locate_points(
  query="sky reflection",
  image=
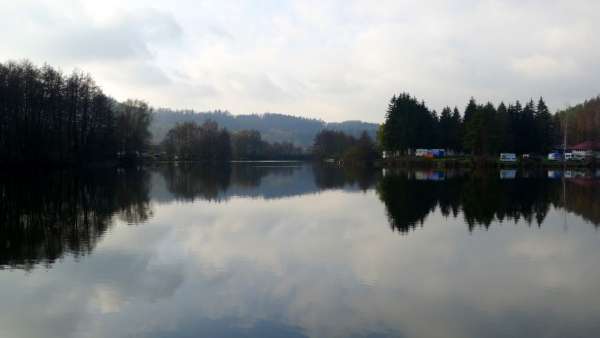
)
(320, 265)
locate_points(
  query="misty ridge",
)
(274, 127)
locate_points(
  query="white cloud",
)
(335, 60)
(542, 66)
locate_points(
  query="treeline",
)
(46, 116)
(189, 141)
(209, 143)
(272, 127)
(249, 145)
(481, 130)
(582, 121)
(337, 145)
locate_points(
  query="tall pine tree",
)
(545, 127)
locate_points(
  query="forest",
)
(337, 145)
(273, 127)
(582, 121)
(210, 143)
(47, 117)
(481, 130)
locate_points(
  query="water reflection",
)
(299, 251)
(331, 177)
(188, 182)
(484, 197)
(581, 196)
(45, 216)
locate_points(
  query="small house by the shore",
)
(586, 150)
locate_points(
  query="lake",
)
(278, 249)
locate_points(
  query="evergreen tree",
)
(470, 110)
(433, 133)
(455, 135)
(506, 142)
(445, 129)
(481, 135)
(472, 125)
(492, 134)
(408, 125)
(518, 133)
(529, 134)
(545, 127)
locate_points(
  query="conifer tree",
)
(455, 137)
(472, 124)
(529, 135)
(445, 128)
(545, 127)
(506, 143)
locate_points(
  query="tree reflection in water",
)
(480, 197)
(188, 181)
(45, 216)
(334, 177)
(483, 197)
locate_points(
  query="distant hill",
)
(273, 127)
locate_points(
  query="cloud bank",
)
(334, 60)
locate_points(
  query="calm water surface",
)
(294, 250)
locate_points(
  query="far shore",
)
(476, 162)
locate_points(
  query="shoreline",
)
(471, 162)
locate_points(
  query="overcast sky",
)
(334, 60)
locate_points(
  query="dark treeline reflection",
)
(43, 217)
(333, 177)
(483, 197)
(189, 182)
(582, 197)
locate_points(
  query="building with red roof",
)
(587, 149)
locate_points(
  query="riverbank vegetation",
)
(330, 145)
(47, 117)
(582, 121)
(273, 127)
(248, 145)
(189, 141)
(50, 118)
(210, 143)
(482, 130)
